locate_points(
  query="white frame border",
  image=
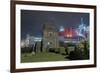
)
(58, 63)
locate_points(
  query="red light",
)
(68, 33)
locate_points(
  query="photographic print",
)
(50, 36)
(54, 36)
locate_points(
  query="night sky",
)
(32, 21)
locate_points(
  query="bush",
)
(76, 55)
(86, 54)
(62, 50)
(70, 44)
(26, 50)
(57, 50)
(51, 49)
(66, 50)
(85, 46)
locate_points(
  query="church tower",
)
(50, 36)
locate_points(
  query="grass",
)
(41, 57)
